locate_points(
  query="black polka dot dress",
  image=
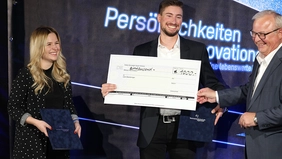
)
(29, 142)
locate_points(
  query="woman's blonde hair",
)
(38, 41)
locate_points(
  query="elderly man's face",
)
(272, 40)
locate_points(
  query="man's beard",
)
(170, 34)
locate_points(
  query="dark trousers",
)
(165, 142)
(56, 154)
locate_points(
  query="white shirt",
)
(263, 62)
(173, 53)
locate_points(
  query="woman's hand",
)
(40, 124)
(77, 128)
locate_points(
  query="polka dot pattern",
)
(30, 143)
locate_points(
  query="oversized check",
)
(153, 82)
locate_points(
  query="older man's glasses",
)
(261, 35)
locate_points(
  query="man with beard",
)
(158, 127)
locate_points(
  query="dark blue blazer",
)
(265, 140)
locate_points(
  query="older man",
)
(262, 94)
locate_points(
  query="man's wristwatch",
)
(256, 120)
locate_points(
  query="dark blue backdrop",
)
(4, 121)
(92, 30)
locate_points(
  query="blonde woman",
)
(44, 83)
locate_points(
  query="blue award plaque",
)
(197, 125)
(62, 135)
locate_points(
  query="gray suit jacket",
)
(149, 116)
(265, 140)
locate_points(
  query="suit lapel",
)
(275, 62)
(252, 81)
(153, 50)
(184, 49)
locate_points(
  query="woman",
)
(44, 83)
